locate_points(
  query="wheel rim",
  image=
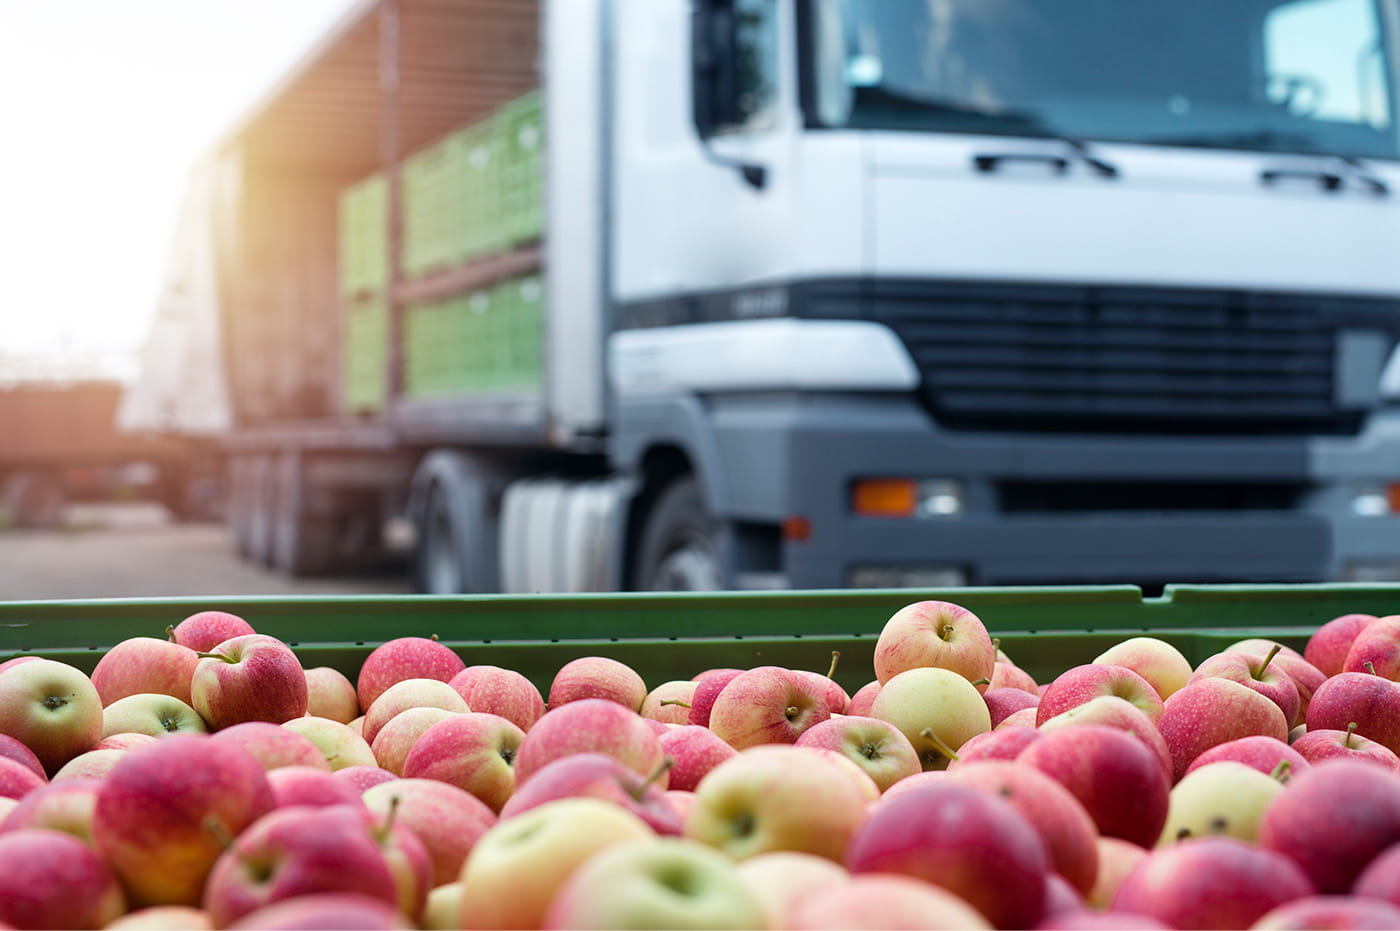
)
(691, 567)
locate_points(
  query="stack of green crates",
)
(364, 344)
(521, 132)
(485, 341)
(433, 187)
(364, 249)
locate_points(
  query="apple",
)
(1334, 819)
(273, 745)
(532, 855)
(18, 780)
(50, 879)
(338, 743)
(1273, 684)
(826, 685)
(999, 743)
(1323, 744)
(65, 806)
(52, 708)
(1004, 701)
(777, 797)
(781, 880)
(1328, 646)
(165, 811)
(125, 741)
(875, 901)
(1061, 898)
(296, 851)
(448, 820)
(1081, 684)
(204, 630)
(1116, 712)
(363, 777)
(938, 710)
(1089, 919)
(1117, 779)
(1225, 799)
(696, 750)
(1266, 754)
(1381, 877)
(1330, 911)
(1213, 711)
(589, 725)
(669, 702)
(94, 764)
(474, 752)
(144, 664)
(1061, 820)
(1304, 674)
(682, 801)
(396, 739)
(878, 747)
(1117, 858)
(1376, 648)
(1023, 718)
(444, 903)
(12, 749)
(344, 910)
(505, 692)
(405, 658)
(410, 693)
(163, 918)
(657, 882)
(963, 839)
(597, 677)
(766, 705)
(708, 686)
(250, 678)
(1211, 882)
(935, 634)
(599, 776)
(862, 700)
(1164, 666)
(154, 714)
(1370, 702)
(1011, 676)
(310, 785)
(331, 694)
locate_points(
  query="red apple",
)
(52, 708)
(1323, 744)
(126, 741)
(708, 686)
(1023, 718)
(363, 777)
(1212, 711)
(204, 630)
(782, 880)
(396, 739)
(597, 677)
(935, 633)
(1328, 646)
(338, 743)
(94, 764)
(696, 750)
(474, 752)
(862, 700)
(310, 785)
(163, 918)
(65, 806)
(49, 879)
(598, 776)
(1259, 675)
(1376, 648)
(17, 780)
(405, 658)
(144, 664)
(1119, 713)
(250, 678)
(1088, 919)
(766, 705)
(347, 911)
(588, 725)
(1330, 911)
(331, 694)
(882, 901)
(1004, 701)
(1265, 754)
(1164, 666)
(1117, 858)
(410, 693)
(1010, 676)
(1000, 743)
(1370, 702)
(274, 746)
(12, 749)
(448, 820)
(1081, 684)
(669, 702)
(505, 692)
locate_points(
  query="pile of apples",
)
(209, 780)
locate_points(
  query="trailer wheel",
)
(679, 550)
(439, 556)
(457, 524)
(261, 509)
(303, 542)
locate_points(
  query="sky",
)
(107, 104)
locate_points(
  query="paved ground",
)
(134, 551)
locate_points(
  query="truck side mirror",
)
(713, 66)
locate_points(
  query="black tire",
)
(679, 548)
(458, 535)
(439, 554)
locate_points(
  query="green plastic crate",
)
(483, 232)
(363, 236)
(522, 171)
(433, 186)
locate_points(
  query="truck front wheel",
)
(679, 548)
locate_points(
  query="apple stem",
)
(227, 659)
(170, 632)
(1282, 772)
(215, 825)
(1369, 667)
(982, 681)
(938, 744)
(1351, 729)
(835, 658)
(1259, 674)
(996, 643)
(675, 701)
(433, 637)
(662, 768)
(389, 818)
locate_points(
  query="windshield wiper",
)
(1270, 140)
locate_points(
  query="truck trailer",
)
(579, 295)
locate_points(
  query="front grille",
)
(1119, 360)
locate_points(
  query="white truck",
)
(830, 293)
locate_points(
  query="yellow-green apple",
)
(331, 694)
(853, 770)
(935, 634)
(1324, 743)
(144, 664)
(589, 725)
(12, 749)
(1376, 648)
(396, 738)
(52, 708)
(599, 776)
(1212, 711)
(696, 750)
(1211, 882)
(410, 693)
(50, 879)
(878, 747)
(656, 882)
(1164, 666)
(163, 918)
(782, 879)
(444, 904)
(297, 851)
(65, 806)
(1081, 684)
(94, 764)
(597, 677)
(1334, 819)
(310, 785)
(1005, 700)
(878, 900)
(1120, 713)
(125, 741)
(1221, 799)
(963, 839)
(326, 910)
(1010, 676)
(18, 780)
(1330, 911)
(496, 690)
(273, 745)
(1117, 779)
(1328, 646)
(1266, 754)
(474, 752)
(1117, 858)
(448, 820)
(863, 698)
(518, 865)
(708, 685)
(250, 678)
(1370, 702)
(204, 630)
(363, 777)
(937, 709)
(154, 812)
(669, 702)
(155, 714)
(340, 745)
(405, 658)
(766, 705)
(1063, 823)
(777, 797)
(999, 743)
(1259, 675)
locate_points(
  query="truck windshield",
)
(1306, 76)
